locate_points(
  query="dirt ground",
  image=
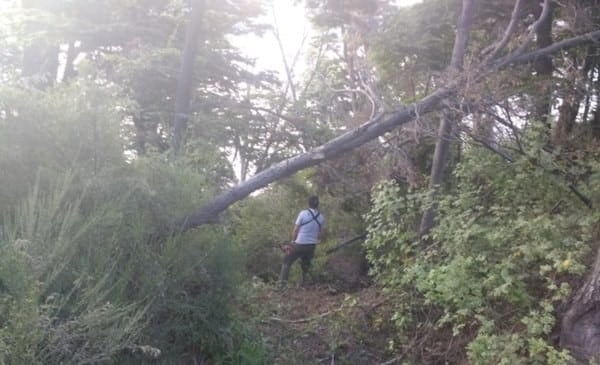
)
(320, 324)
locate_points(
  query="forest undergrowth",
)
(318, 323)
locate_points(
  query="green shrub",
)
(508, 245)
(85, 282)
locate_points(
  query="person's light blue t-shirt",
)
(308, 233)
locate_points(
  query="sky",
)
(289, 19)
(287, 16)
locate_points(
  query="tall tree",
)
(186, 75)
(442, 147)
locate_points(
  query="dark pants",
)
(303, 252)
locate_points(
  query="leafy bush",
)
(508, 245)
(261, 224)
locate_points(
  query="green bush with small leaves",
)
(509, 244)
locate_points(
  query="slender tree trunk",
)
(596, 123)
(186, 75)
(72, 54)
(543, 66)
(441, 155)
(567, 114)
(594, 84)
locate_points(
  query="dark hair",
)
(313, 202)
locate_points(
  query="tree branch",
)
(513, 59)
(512, 25)
(546, 12)
(288, 69)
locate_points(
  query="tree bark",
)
(543, 65)
(441, 155)
(580, 326)
(567, 114)
(595, 123)
(186, 75)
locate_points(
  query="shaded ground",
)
(319, 324)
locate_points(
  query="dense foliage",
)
(96, 269)
(82, 279)
(504, 256)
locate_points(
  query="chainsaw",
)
(286, 247)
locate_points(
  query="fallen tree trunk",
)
(348, 141)
(377, 126)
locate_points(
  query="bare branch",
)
(489, 146)
(288, 69)
(546, 51)
(291, 120)
(512, 25)
(546, 12)
(365, 93)
(317, 63)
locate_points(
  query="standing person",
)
(308, 231)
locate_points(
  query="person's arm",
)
(295, 233)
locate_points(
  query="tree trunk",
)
(580, 327)
(186, 74)
(441, 155)
(596, 123)
(543, 66)
(567, 113)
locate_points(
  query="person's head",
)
(313, 202)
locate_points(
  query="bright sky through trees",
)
(288, 19)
